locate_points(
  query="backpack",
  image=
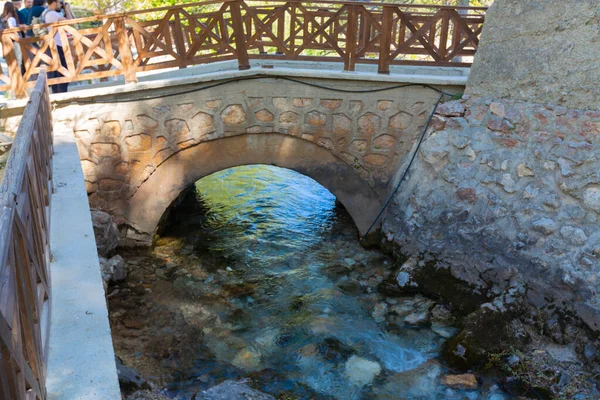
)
(3, 24)
(40, 31)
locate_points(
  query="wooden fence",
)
(195, 33)
(25, 253)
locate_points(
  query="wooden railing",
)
(25, 253)
(190, 34)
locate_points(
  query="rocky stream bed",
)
(257, 288)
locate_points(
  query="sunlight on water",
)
(268, 278)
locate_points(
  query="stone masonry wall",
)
(509, 191)
(544, 51)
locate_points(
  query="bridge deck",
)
(437, 76)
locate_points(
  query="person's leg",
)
(60, 87)
(53, 74)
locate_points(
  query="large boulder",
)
(493, 328)
(106, 233)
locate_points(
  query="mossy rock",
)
(485, 332)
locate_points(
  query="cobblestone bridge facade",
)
(139, 155)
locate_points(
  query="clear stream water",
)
(287, 297)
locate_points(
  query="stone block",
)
(342, 125)
(384, 142)
(281, 103)
(141, 142)
(331, 104)
(233, 115)
(359, 145)
(147, 122)
(384, 105)
(105, 150)
(315, 118)
(111, 130)
(401, 121)
(264, 115)
(369, 124)
(185, 108)
(176, 128)
(214, 104)
(288, 117)
(301, 102)
(356, 106)
(376, 160)
(454, 108)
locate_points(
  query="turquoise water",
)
(281, 293)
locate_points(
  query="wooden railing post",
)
(281, 29)
(351, 30)
(444, 35)
(125, 51)
(17, 84)
(386, 40)
(179, 40)
(241, 50)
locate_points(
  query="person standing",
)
(18, 4)
(10, 19)
(24, 12)
(22, 20)
(36, 11)
(54, 15)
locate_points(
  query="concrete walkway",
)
(81, 362)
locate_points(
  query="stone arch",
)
(153, 197)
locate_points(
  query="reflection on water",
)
(266, 268)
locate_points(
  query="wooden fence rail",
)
(25, 253)
(190, 34)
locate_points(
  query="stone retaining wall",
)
(508, 191)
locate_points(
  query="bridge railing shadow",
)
(196, 33)
(25, 195)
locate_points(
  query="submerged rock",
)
(418, 383)
(233, 390)
(379, 312)
(248, 360)
(442, 315)
(443, 330)
(361, 371)
(465, 381)
(334, 350)
(417, 318)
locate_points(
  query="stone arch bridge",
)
(140, 148)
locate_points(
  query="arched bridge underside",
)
(140, 149)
